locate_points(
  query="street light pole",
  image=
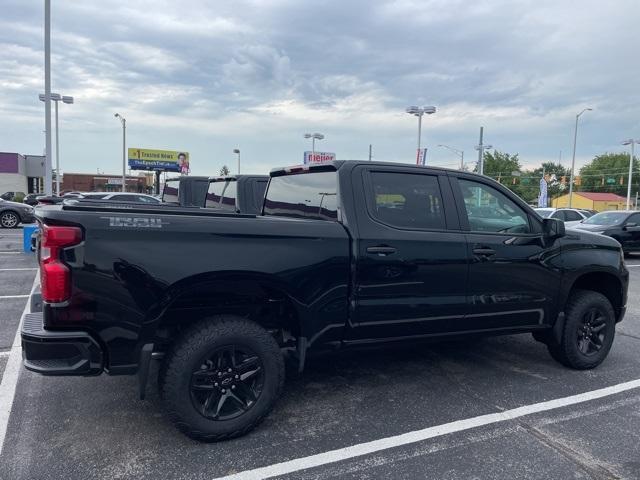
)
(56, 97)
(313, 137)
(631, 142)
(573, 160)
(123, 121)
(47, 95)
(237, 151)
(460, 153)
(419, 112)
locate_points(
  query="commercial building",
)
(21, 173)
(591, 201)
(91, 182)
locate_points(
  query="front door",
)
(411, 257)
(513, 272)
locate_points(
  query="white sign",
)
(318, 157)
(421, 156)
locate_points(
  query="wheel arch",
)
(261, 298)
(604, 282)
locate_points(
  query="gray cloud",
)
(209, 76)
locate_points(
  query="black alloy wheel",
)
(591, 334)
(228, 383)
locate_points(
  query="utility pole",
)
(370, 155)
(573, 160)
(481, 147)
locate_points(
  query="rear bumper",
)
(59, 352)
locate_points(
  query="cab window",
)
(489, 210)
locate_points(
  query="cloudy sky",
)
(208, 77)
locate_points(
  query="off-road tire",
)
(183, 359)
(567, 351)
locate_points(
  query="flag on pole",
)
(542, 197)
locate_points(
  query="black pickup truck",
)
(344, 254)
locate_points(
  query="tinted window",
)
(571, 216)
(607, 218)
(407, 200)
(171, 191)
(214, 194)
(94, 196)
(559, 214)
(145, 199)
(635, 218)
(306, 195)
(229, 196)
(489, 210)
(125, 198)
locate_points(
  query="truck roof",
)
(337, 164)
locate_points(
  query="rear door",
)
(513, 272)
(410, 255)
(631, 231)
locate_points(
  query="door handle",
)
(484, 251)
(381, 250)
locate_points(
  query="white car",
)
(122, 197)
(570, 216)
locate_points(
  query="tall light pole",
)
(419, 112)
(313, 137)
(56, 97)
(631, 142)
(481, 147)
(237, 151)
(47, 95)
(123, 121)
(460, 153)
(573, 160)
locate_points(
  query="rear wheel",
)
(9, 219)
(588, 331)
(222, 378)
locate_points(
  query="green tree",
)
(224, 171)
(502, 166)
(609, 172)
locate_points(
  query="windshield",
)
(544, 212)
(606, 218)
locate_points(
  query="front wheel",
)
(9, 219)
(222, 378)
(588, 332)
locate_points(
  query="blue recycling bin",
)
(27, 232)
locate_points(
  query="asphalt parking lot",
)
(90, 428)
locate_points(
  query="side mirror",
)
(553, 228)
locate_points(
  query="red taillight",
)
(55, 276)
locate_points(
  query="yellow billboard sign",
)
(166, 160)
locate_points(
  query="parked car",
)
(343, 255)
(12, 196)
(186, 191)
(13, 214)
(237, 193)
(32, 199)
(570, 216)
(622, 225)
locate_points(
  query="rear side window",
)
(407, 200)
(229, 195)
(571, 216)
(305, 195)
(171, 191)
(214, 194)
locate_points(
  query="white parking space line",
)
(17, 269)
(6, 297)
(358, 450)
(12, 252)
(10, 375)
(5, 354)
(631, 266)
